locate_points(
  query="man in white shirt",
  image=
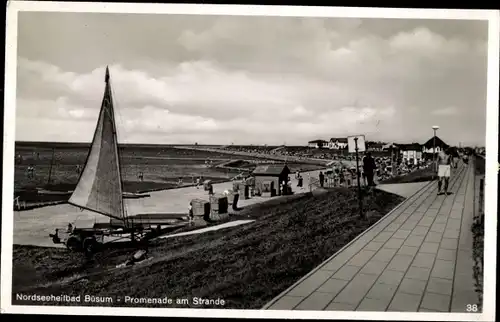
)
(444, 170)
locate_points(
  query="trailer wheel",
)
(90, 245)
(73, 243)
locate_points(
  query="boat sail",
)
(100, 187)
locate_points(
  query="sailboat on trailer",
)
(100, 186)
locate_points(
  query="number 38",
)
(471, 307)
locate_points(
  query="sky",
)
(181, 79)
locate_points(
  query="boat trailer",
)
(136, 229)
(89, 240)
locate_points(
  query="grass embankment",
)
(420, 175)
(246, 266)
(478, 230)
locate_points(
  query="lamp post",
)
(434, 128)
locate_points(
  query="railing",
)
(480, 214)
(478, 229)
(314, 184)
(20, 205)
(349, 180)
(479, 173)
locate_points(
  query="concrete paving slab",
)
(372, 305)
(439, 286)
(391, 277)
(428, 247)
(335, 306)
(418, 273)
(412, 286)
(443, 269)
(373, 267)
(311, 283)
(401, 233)
(316, 301)
(425, 260)
(438, 302)
(404, 302)
(287, 302)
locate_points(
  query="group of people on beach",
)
(446, 159)
(369, 166)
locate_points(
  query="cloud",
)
(268, 82)
(309, 46)
(196, 97)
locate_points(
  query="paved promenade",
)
(416, 259)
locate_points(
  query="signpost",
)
(356, 144)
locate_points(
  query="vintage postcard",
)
(250, 161)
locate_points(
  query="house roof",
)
(340, 140)
(439, 143)
(317, 141)
(271, 169)
(389, 145)
(410, 147)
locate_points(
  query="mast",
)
(117, 149)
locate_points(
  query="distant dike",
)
(80, 145)
(73, 145)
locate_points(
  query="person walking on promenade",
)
(454, 157)
(300, 181)
(444, 170)
(466, 158)
(363, 175)
(190, 212)
(321, 179)
(369, 167)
